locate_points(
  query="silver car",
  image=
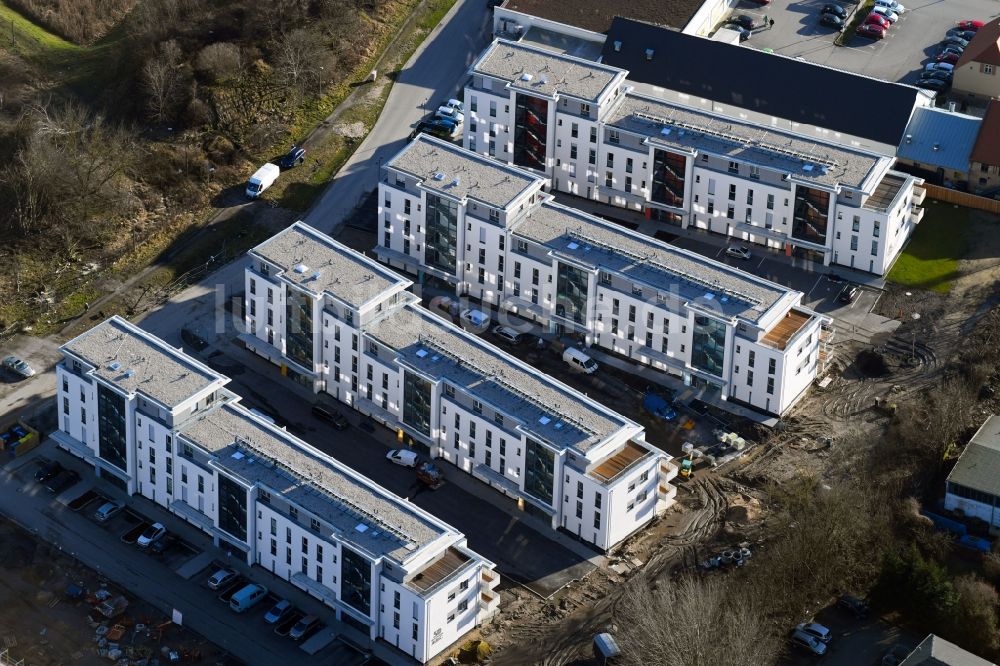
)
(108, 510)
(18, 367)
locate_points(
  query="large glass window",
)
(442, 233)
(111, 440)
(668, 178)
(571, 293)
(531, 120)
(232, 507)
(810, 216)
(417, 402)
(709, 345)
(356, 573)
(299, 324)
(539, 463)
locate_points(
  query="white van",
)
(580, 361)
(262, 179)
(403, 457)
(247, 597)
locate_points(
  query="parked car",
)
(403, 457)
(967, 35)
(939, 66)
(247, 598)
(434, 128)
(476, 318)
(970, 25)
(815, 630)
(938, 74)
(507, 334)
(848, 294)
(871, 30)
(895, 655)
(62, 481)
(278, 612)
(743, 20)
(455, 104)
(262, 179)
(949, 57)
(834, 9)
(832, 21)
(221, 578)
(891, 4)
(877, 19)
(331, 415)
(738, 252)
(955, 41)
(450, 113)
(937, 85)
(853, 605)
(108, 510)
(48, 470)
(18, 367)
(807, 643)
(953, 48)
(295, 156)
(303, 627)
(744, 33)
(152, 533)
(886, 13)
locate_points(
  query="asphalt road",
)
(433, 74)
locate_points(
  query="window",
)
(574, 130)
(856, 225)
(611, 160)
(749, 378)
(731, 212)
(608, 179)
(597, 521)
(597, 500)
(614, 136)
(293, 513)
(579, 509)
(749, 197)
(770, 202)
(734, 167)
(415, 631)
(770, 366)
(493, 109)
(876, 229)
(313, 525)
(593, 135)
(628, 183)
(201, 484)
(874, 248)
(732, 192)
(584, 109)
(477, 407)
(854, 242)
(755, 172)
(592, 157)
(253, 290)
(770, 385)
(987, 69)
(572, 151)
(751, 358)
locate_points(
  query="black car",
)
(853, 605)
(743, 20)
(832, 21)
(330, 415)
(938, 74)
(848, 294)
(295, 156)
(836, 10)
(744, 33)
(48, 470)
(936, 85)
(433, 127)
(62, 481)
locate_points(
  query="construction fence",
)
(962, 198)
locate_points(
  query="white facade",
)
(386, 568)
(725, 178)
(971, 487)
(657, 318)
(482, 429)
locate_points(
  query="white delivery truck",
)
(262, 179)
(579, 361)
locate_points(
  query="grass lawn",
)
(930, 259)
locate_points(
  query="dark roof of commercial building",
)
(987, 148)
(597, 15)
(763, 82)
(984, 47)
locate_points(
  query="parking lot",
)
(908, 45)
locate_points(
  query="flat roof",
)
(766, 83)
(547, 409)
(315, 262)
(135, 361)
(446, 168)
(597, 15)
(543, 72)
(362, 513)
(979, 465)
(885, 192)
(437, 570)
(685, 128)
(597, 243)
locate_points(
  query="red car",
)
(877, 19)
(948, 57)
(871, 30)
(970, 25)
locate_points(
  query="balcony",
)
(916, 214)
(490, 578)
(667, 492)
(668, 471)
(489, 602)
(919, 194)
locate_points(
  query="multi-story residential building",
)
(164, 426)
(726, 169)
(972, 486)
(564, 457)
(698, 319)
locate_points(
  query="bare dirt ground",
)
(42, 627)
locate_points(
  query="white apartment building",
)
(973, 486)
(564, 457)
(162, 425)
(595, 134)
(698, 319)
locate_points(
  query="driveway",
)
(855, 642)
(909, 44)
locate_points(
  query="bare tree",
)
(302, 62)
(693, 623)
(161, 79)
(220, 61)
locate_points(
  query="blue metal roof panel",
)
(940, 138)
